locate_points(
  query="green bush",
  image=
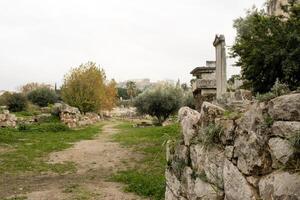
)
(160, 101)
(16, 102)
(42, 96)
(278, 89)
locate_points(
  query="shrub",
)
(86, 88)
(278, 89)
(295, 142)
(42, 96)
(160, 101)
(16, 102)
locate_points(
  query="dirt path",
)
(96, 161)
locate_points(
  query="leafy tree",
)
(85, 87)
(111, 92)
(267, 48)
(159, 101)
(42, 96)
(131, 89)
(122, 93)
(16, 102)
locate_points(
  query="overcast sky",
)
(40, 40)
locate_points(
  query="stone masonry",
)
(236, 156)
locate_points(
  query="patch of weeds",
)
(231, 115)
(295, 142)
(268, 121)
(44, 127)
(142, 183)
(148, 179)
(178, 165)
(211, 135)
(79, 193)
(71, 188)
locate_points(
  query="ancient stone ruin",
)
(72, 117)
(226, 154)
(211, 83)
(7, 119)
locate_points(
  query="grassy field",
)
(148, 178)
(24, 149)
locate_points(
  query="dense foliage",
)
(160, 101)
(267, 48)
(86, 88)
(42, 96)
(15, 102)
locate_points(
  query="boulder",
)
(252, 155)
(281, 151)
(173, 183)
(169, 195)
(199, 189)
(285, 108)
(188, 119)
(280, 185)
(236, 186)
(209, 162)
(250, 143)
(209, 112)
(285, 128)
(7, 119)
(228, 127)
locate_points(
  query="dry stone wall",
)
(72, 117)
(241, 156)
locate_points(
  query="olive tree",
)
(159, 101)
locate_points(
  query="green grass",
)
(148, 178)
(28, 148)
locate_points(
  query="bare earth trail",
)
(96, 160)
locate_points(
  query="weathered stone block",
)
(188, 119)
(236, 186)
(280, 185)
(281, 151)
(285, 128)
(285, 108)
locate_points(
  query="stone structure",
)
(244, 156)
(7, 119)
(72, 117)
(221, 79)
(204, 87)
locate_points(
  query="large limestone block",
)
(188, 119)
(228, 127)
(209, 112)
(252, 155)
(210, 162)
(285, 108)
(280, 185)
(281, 151)
(236, 186)
(169, 195)
(285, 128)
(173, 183)
(198, 189)
(250, 145)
